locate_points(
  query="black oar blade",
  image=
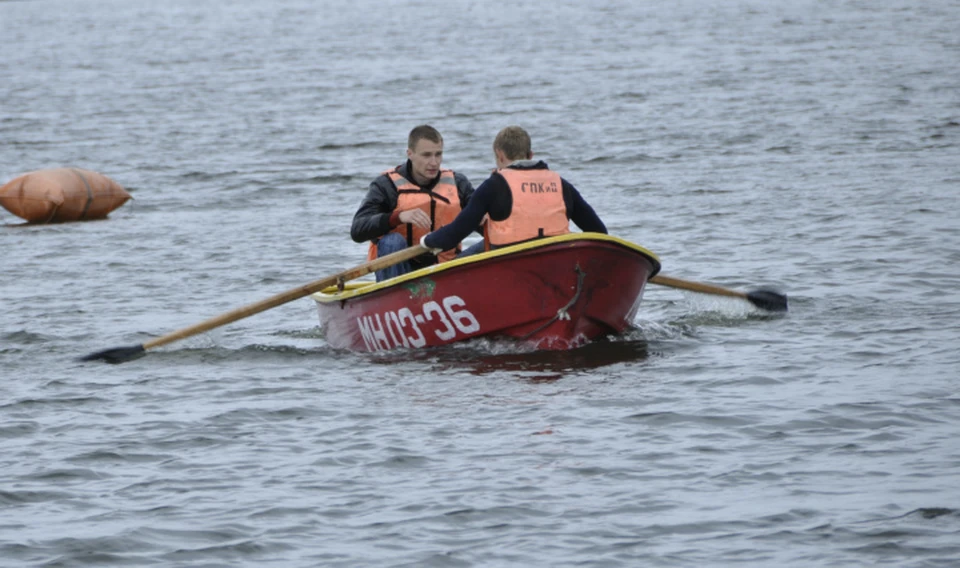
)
(117, 354)
(768, 300)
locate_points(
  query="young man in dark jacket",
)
(409, 201)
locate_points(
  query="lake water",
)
(809, 146)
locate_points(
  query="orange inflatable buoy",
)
(62, 194)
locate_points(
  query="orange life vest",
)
(442, 204)
(538, 208)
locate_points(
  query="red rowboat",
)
(553, 293)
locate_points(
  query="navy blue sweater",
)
(493, 197)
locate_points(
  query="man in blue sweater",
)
(522, 200)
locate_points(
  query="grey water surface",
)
(809, 146)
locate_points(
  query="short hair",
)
(514, 142)
(423, 131)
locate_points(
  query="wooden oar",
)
(762, 298)
(123, 354)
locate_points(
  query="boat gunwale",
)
(357, 289)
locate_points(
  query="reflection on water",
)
(483, 357)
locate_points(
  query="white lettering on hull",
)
(402, 328)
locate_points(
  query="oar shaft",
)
(237, 314)
(695, 286)
(288, 296)
(769, 300)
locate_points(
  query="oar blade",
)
(769, 300)
(117, 354)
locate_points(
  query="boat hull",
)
(555, 293)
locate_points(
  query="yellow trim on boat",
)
(352, 289)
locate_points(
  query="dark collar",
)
(407, 172)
